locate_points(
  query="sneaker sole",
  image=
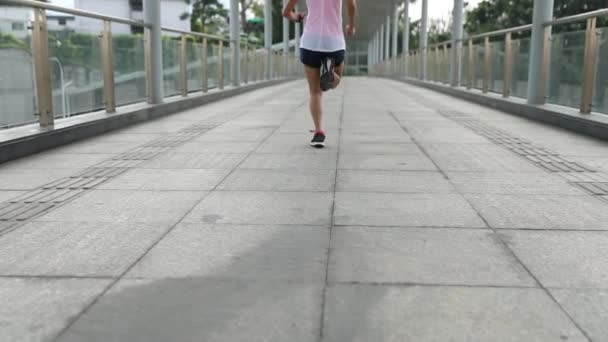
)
(317, 145)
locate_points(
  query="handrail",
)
(196, 34)
(47, 6)
(578, 17)
(500, 32)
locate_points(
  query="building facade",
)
(133, 9)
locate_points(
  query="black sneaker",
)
(327, 74)
(318, 140)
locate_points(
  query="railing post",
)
(539, 52)
(109, 93)
(220, 65)
(183, 65)
(154, 50)
(470, 65)
(588, 81)
(508, 72)
(44, 94)
(205, 67)
(246, 64)
(254, 63)
(487, 55)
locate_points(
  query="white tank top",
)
(323, 26)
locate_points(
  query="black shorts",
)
(313, 58)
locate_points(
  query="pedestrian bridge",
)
(180, 201)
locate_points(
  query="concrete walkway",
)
(425, 219)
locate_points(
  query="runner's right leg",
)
(316, 95)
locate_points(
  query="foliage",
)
(8, 41)
(207, 16)
(492, 15)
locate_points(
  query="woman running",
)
(322, 51)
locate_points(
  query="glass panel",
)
(600, 98)
(129, 66)
(521, 57)
(212, 64)
(17, 91)
(76, 70)
(566, 70)
(171, 51)
(464, 65)
(227, 65)
(194, 67)
(497, 67)
(478, 66)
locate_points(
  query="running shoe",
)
(318, 140)
(327, 74)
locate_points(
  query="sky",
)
(437, 8)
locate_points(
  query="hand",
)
(299, 17)
(350, 30)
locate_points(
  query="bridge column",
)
(285, 43)
(268, 37)
(387, 37)
(406, 35)
(155, 51)
(424, 21)
(395, 28)
(457, 33)
(537, 74)
(381, 41)
(235, 41)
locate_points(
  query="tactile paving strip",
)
(576, 173)
(36, 202)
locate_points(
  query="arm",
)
(352, 14)
(289, 13)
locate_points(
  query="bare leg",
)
(338, 72)
(314, 80)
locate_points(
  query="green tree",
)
(492, 15)
(207, 16)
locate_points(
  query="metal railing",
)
(438, 55)
(252, 61)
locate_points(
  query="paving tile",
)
(423, 256)
(392, 181)
(202, 310)
(297, 208)
(280, 180)
(116, 206)
(380, 148)
(364, 313)
(167, 179)
(93, 147)
(413, 162)
(477, 157)
(243, 135)
(440, 134)
(588, 307)
(238, 252)
(295, 144)
(541, 211)
(38, 309)
(120, 136)
(512, 183)
(563, 259)
(319, 161)
(194, 161)
(216, 147)
(7, 195)
(75, 248)
(11, 179)
(53, 160)
(407, 210)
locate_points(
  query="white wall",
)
(115, 8)
(10, 15)
(171, 10)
